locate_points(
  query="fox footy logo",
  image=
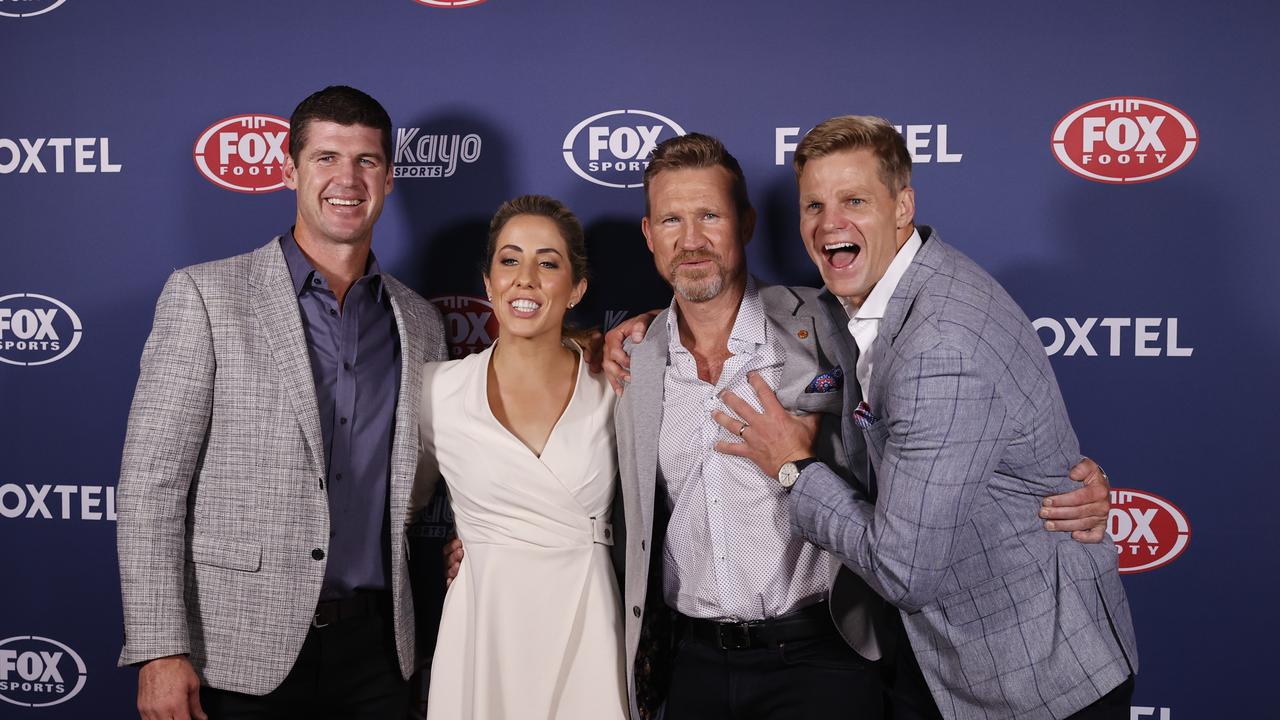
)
(244, 153)
(1125, 140)
(1148, 530)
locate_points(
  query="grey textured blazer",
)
(970, 431)
(793, 313)
(220, 504)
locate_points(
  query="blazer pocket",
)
(243, 555)
(831, 402)
(1013, 589)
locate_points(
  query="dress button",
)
(317, 554)
(636, 611)
(608, 534)
(642, 545)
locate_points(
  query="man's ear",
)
(289, 172)
(905, 210)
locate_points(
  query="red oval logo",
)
(469, 323)
(244, 153)
(1148, 530)
(1125, 140)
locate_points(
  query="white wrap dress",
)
(531, 625)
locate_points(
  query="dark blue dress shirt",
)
(355, 359)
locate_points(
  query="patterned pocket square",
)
(863, 417)
(827, 382)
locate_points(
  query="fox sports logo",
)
(612, 148)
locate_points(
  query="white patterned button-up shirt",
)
(729, 551)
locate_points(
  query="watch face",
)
(788, 474)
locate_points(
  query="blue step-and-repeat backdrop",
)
(1112, 163)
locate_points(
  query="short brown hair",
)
(343, 105)
(555, 211)
(695, 151)
(855, 132)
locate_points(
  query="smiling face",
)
(342, 178)
(695, 233)
(852, 226)
(530, 279)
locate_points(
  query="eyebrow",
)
(517, 248)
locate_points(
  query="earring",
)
(570, 306)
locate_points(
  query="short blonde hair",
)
(855, 132)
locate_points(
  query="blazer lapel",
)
(404, 454)
(273, 300)
(796, 320)
(834, 336)
(648, 373)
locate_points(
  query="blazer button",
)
(317, 554)
(635, 611)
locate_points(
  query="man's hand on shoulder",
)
(1083, 511)
(617, 364)
(169, 689)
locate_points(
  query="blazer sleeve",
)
(945, 428)
(164, 447)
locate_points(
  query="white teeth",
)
(340, 201)
(832, 247)
(525, 305)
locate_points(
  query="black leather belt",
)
(329, 612)
(809, 622)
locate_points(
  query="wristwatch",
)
(790, 472)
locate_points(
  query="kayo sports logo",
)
(469, 323)
(1148, 530)
(27, 8)
(244, 153)
(39, 672)
(36, 329)
(1124, 140)
(612, 148)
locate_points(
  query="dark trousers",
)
(813, 678)
(907, 695)
(346, 670)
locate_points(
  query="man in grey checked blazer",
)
(228, 517)
(964, 429)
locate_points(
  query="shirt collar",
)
(301, 271)
(750, 327)
(873, 308)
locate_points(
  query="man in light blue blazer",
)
(964, 430)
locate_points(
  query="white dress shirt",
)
(864, 321)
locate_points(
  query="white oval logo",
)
(1125, 140)
(36, 329)
(39, 672)
(244, 153)
(615, 147)
(30, 8)
(1148, 530)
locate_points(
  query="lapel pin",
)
(802, 334)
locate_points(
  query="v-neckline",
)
(573, 396)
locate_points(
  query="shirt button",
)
(346, 366)
(332, 311)
(338, 477)
(635, 611)
(315, 281)
(342, 421)
(317, 554)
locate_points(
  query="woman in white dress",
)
(523, 436)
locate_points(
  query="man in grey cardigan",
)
(964, 430)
